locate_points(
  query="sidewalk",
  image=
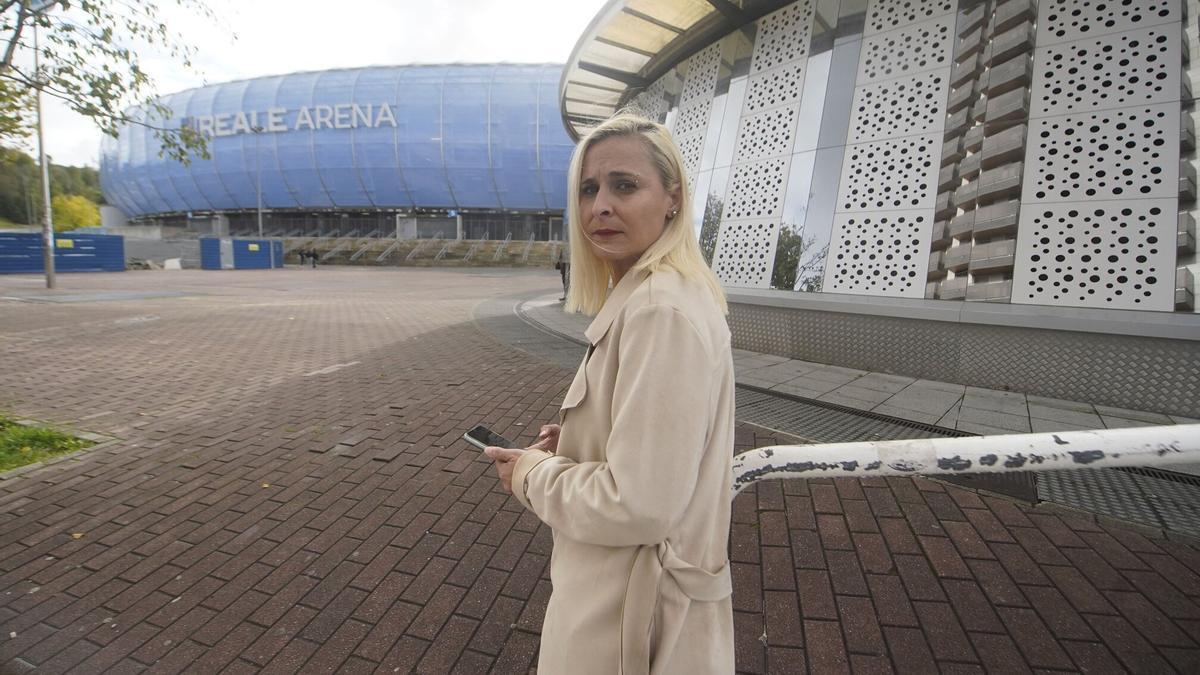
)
(287, 493)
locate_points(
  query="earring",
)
(674, 212)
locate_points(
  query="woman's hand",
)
(547, 440)
(506, 461)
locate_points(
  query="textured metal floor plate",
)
(1163, 503)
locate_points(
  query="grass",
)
(21, 445)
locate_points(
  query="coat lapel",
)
(613, 305)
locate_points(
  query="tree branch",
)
(22, 13)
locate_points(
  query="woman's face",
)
(623, 204)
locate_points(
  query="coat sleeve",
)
(660, 422)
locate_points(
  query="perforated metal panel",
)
(745, 252)
(691, 147)
(756, 189)
(1113, 154)
(653, 102)
(880, 254)
(782, 36)
(701, 79)
(905, 51)
(1063, 20)
(901, 107)
(885, 15)
(1133, 68)
(767, 134)
(897, 174)
(695, 105)
(775, 87)
(699, 85)
(1116, 255)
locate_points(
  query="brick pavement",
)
(263, 512)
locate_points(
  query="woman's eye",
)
(626, 186)
(588, 190)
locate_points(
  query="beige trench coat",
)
(638, 496)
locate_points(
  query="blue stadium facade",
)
(484, 141)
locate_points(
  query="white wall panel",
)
(775, 87)
(1132, 68)
(783, 36)
(886, 15)
(880, 253)
(1066, 20)
(1101, 184)
(892, 174)
(1118, 255)
(766, 134)
(883, 218)
(1130, 153)
(745, 254)
(900, 107)
(913, 49)
(749, 232)
(695, 105)
(756, 189)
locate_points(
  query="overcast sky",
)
(283, 36)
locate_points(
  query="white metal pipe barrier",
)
(1098, 449)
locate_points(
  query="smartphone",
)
(481, 437)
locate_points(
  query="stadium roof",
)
(631, 43)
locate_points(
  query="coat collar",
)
(613, 304)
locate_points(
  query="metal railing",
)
(338, 248)
(361, 250)
(388, 251)
(528, 248)
(501, 247)
(471, 251)
(425, 243)
(442, 253)
(1096, 449)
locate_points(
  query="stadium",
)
(423, 151)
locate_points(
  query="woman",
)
(635, 484)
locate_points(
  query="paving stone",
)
(999, 401)
(992, 418)
(1139, 415)
(883, 382)
(933, 402)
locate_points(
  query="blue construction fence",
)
(21, 253)
(219, 253)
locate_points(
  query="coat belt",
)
(641, 597)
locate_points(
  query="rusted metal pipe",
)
(1095, 449)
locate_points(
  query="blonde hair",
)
(677, 249)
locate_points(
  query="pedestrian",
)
(635, 482)
(303, 256)
(563, 265)
(312, 255)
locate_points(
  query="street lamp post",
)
(258, 190)
(47, 213)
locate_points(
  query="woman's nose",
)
(601, 205)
